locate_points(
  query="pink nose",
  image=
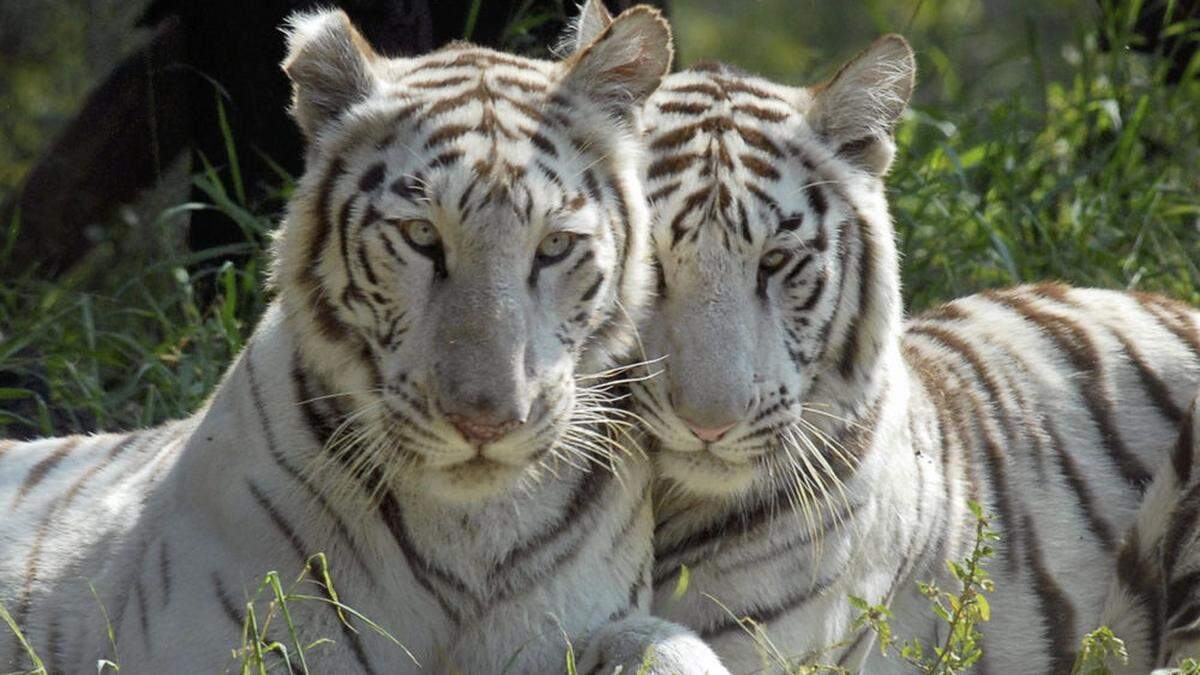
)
(480, 433)
(709, 435)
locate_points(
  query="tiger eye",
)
(774, 259)
(421, 233)
(555, 246)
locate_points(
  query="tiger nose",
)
(483, 418)
(710, 435)
(478, 432)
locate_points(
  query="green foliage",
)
(1186, 667)
(1030, 155)
(1097, 650)
(962, 613)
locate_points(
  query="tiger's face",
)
(776, 271)
(467, 243)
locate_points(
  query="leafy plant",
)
(1097, 650)
(962, 612)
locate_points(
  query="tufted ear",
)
(584, 29)
(857, 110)
(329, 64)
(625, 61)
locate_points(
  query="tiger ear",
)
(584, 29)
(626, 60)
(857, 110)
(329, 63)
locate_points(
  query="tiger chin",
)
(424, 402)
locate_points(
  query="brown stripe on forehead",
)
(526, 86)
(663, 192)
(683, 107)
(760, 113)
(462, 55)
(675, 137)
(757, 139)
(440, 83)
(690, 204)
(759, 168)
(743, 87)
(671, 165)
(446, 134)
(696, 88)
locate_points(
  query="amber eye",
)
(555, 247)
(774, 259)
(420, 234)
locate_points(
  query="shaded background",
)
(1049, 139)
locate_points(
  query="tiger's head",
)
(468, 242)
(778, 291)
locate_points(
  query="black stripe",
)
(164, 573)
(1085, 359)
(230, 609)
(854, 354)
(765, 614)
(983, 373)
(281, 461)
(1058, 614)
(301, 550)
(1182, 528)
(1173, 316)
(513, 574)
(1143, 581)
(1183, 456)
(1156, 390)
(1097, 523)
(1181, 590)
(139, 592)
(421, 568)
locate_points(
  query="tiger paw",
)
(650, 646)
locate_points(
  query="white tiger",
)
(457, 268)
(813, 445)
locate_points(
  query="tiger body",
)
(1152, 603)
(458, 268)
(812, 444)
(175, 527)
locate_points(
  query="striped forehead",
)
(506, 104)
(724, 156)
(467, 126)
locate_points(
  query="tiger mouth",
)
(708, 460)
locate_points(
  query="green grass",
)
(1090, 179)
(1090, 175)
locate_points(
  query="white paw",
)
(645, 645)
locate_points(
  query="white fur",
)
(465, 562)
